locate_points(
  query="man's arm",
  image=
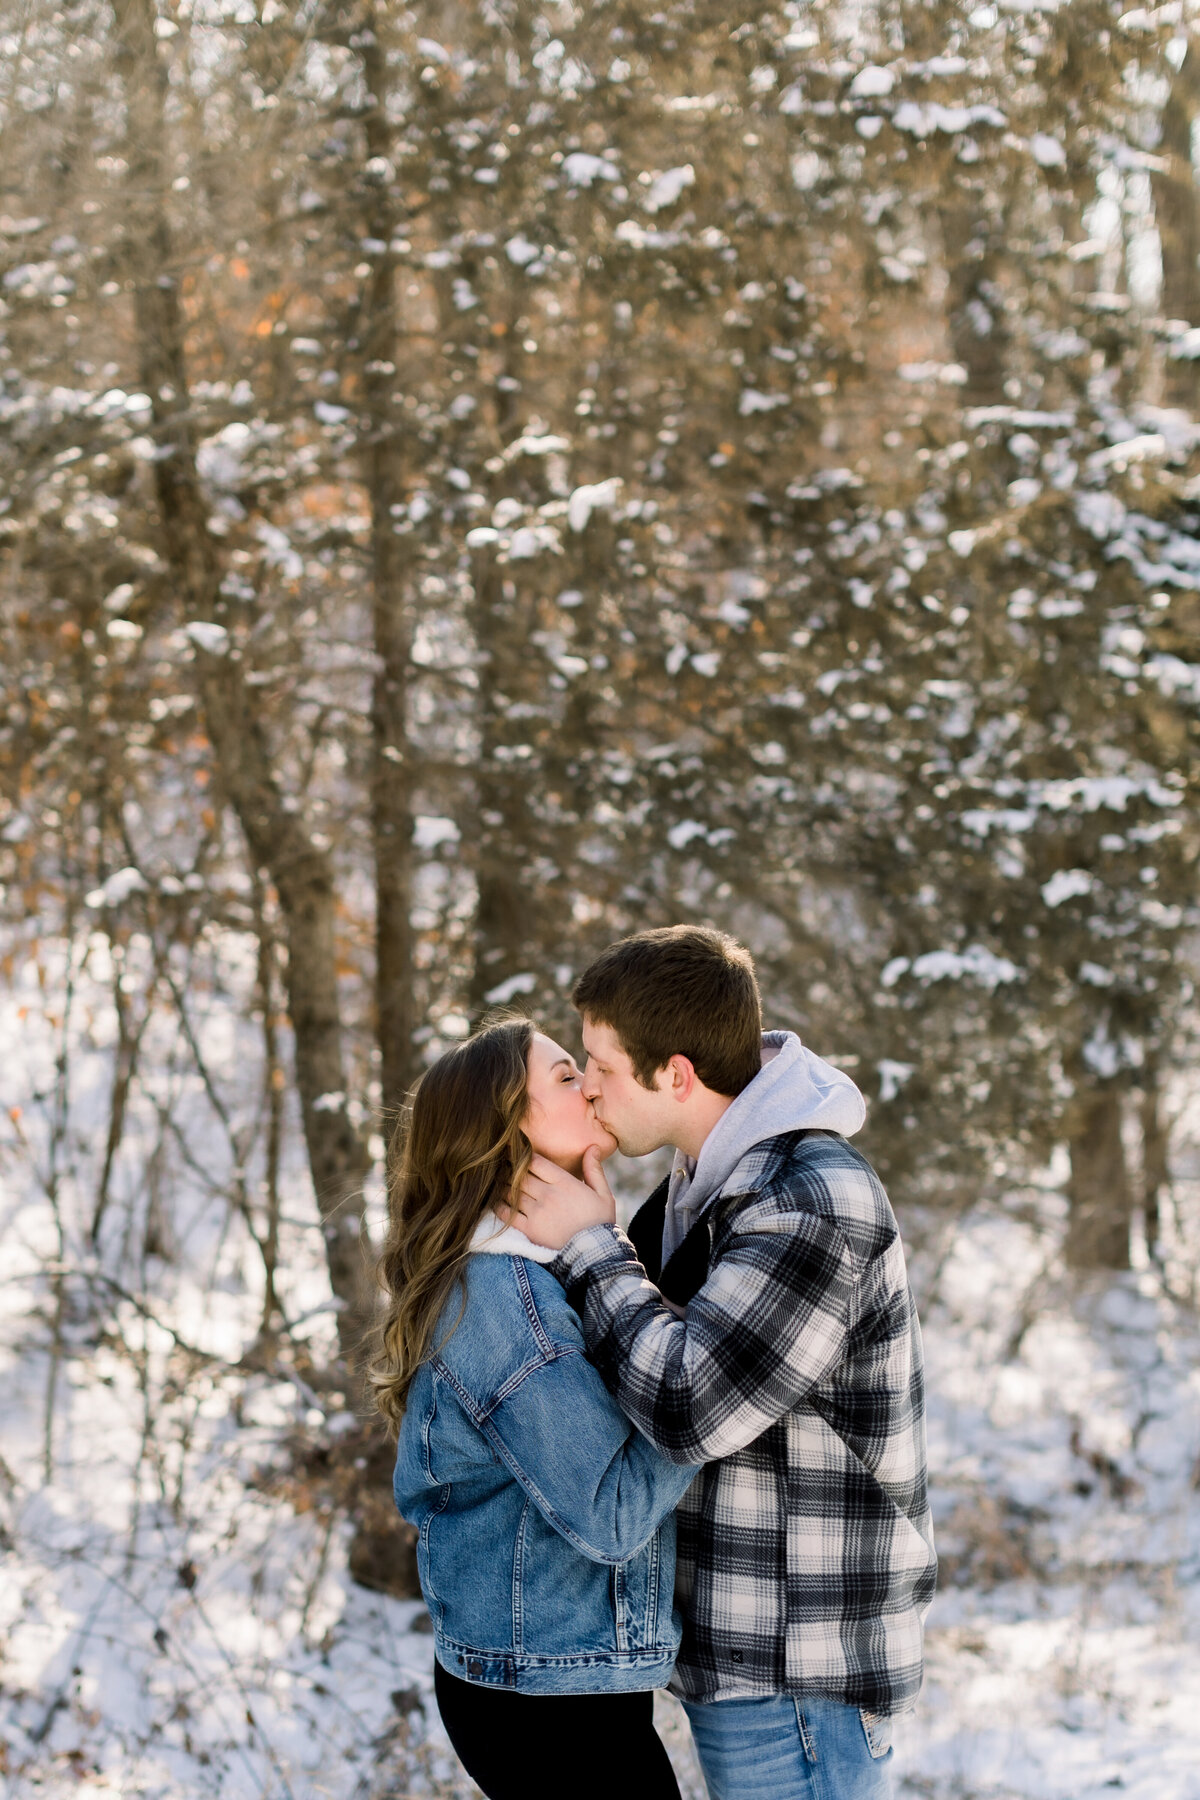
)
(769, 1322)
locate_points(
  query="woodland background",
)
(476, 480)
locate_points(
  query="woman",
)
(546, 1544)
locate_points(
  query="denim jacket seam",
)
(651, 1620)
(483, 1421)
(552, 1513)
(529, 1662)
(518, 1581)
(426, 1428)
(530, 1304)
(558, 1353)
(651, 1653)
(443, 1501)
(479, 1411)
(620, 1619)
(548, 1350)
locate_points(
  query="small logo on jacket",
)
(735, 1656)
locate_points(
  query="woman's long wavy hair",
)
(463, 1151)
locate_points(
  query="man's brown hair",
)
(682, 991)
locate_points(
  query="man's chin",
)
(624, 1145)
(631, 1147)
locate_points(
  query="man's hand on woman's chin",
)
(553, 1205)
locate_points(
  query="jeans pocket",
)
(877, 1729)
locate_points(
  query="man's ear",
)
(682, 1083)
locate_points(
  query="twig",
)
(277, 1370)
(129, 1043)
(310, 1593)
(209, 1357)
(273, 1078)
(236, 1147)
(58, 1133)
(38, 1734)
(170, 1647)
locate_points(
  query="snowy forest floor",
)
(177, 1618)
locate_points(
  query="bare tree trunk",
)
(1100, 1193)
(273, 1082)
(1177, 214)
(509, 926)
(278, 839)
(129, 1044)
(1155, 1171)
(392, 755)
(978, 330)
(511, 920)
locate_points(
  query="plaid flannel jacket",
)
(805, 1547)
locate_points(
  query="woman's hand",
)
(553, 1206)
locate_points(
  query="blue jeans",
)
(779, 1748)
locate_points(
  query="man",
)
(780, 1349)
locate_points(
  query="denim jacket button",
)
(475, 1669)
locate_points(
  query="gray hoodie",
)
(794, 1089)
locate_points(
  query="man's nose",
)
(589, 1086)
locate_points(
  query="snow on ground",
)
(176, 1618)
(1062, 1645)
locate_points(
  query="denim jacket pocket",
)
(878, 1731)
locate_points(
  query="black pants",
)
(545, 1747)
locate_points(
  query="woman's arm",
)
(590, 1474)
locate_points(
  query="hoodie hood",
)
(795, 1089)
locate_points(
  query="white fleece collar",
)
(495, 1239)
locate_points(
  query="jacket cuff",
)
(596, 1247)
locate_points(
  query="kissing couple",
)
(691, 1454)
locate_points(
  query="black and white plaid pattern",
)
(805, 1559)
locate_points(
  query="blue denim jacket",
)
(546, 1536)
